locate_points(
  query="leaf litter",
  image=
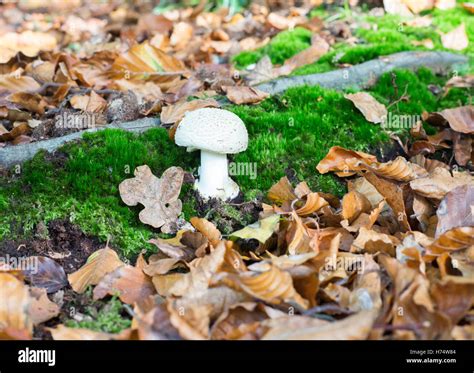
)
(392, 259)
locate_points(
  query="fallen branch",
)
(366, 74)
(18, 154)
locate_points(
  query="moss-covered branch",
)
(367, 74)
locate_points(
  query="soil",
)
(65, 243)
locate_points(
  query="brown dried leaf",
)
(273, 286)
(440, 182)
(456, 209)
(372, 110)
(131, 284)
(142, 59)
(353, 204)
(15, 300)
(393, 194)
(244, 95)
(98, 265)
(92, 103)
(41, 309)
(174, 113)
(64, 333)
(342, 160)
(453, 240)
(208, 229)
(355, 327)
(159, 196)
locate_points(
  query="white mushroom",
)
(216, 133)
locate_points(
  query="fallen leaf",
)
(15, 300)
(159, 196)
(453, 240)
(260, 231)
(208, 229)
(456, 209)
(456, 39)
(174, 113)
(440, 182)
(29, 43)
(41, 309)
(92, 103)
(64, 333)
(99, 264)
(143, 60)
(257, 284)
(372, 110)
(393, 194)
(342, 160)
(244, 95)
(355, 327)
(130, 283)
(44, 272)
(353, 204)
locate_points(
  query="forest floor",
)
(66, 205)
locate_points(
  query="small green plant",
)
(108, 318)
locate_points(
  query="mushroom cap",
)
(214, 130)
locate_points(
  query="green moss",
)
(84, 189)
(295, 131)
(106, 318)
(390, 34)
(283, 46)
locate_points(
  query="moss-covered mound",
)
(289, 134)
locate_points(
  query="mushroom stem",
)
(214, 178)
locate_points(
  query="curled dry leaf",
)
(393, 194)
(372, 110)
(15, 300)
(208, 229)
(440, 182)
(460, 119)
(173, 247)
(342, 160)
(196, 282)
(98, 265)
(131, 284)
(369, 241)
(453, 240)
(159, 196)
(244, 95)
(143, 59)
(191, 323)
(353, 204)
(273, 286)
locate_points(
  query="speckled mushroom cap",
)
(213, 130)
